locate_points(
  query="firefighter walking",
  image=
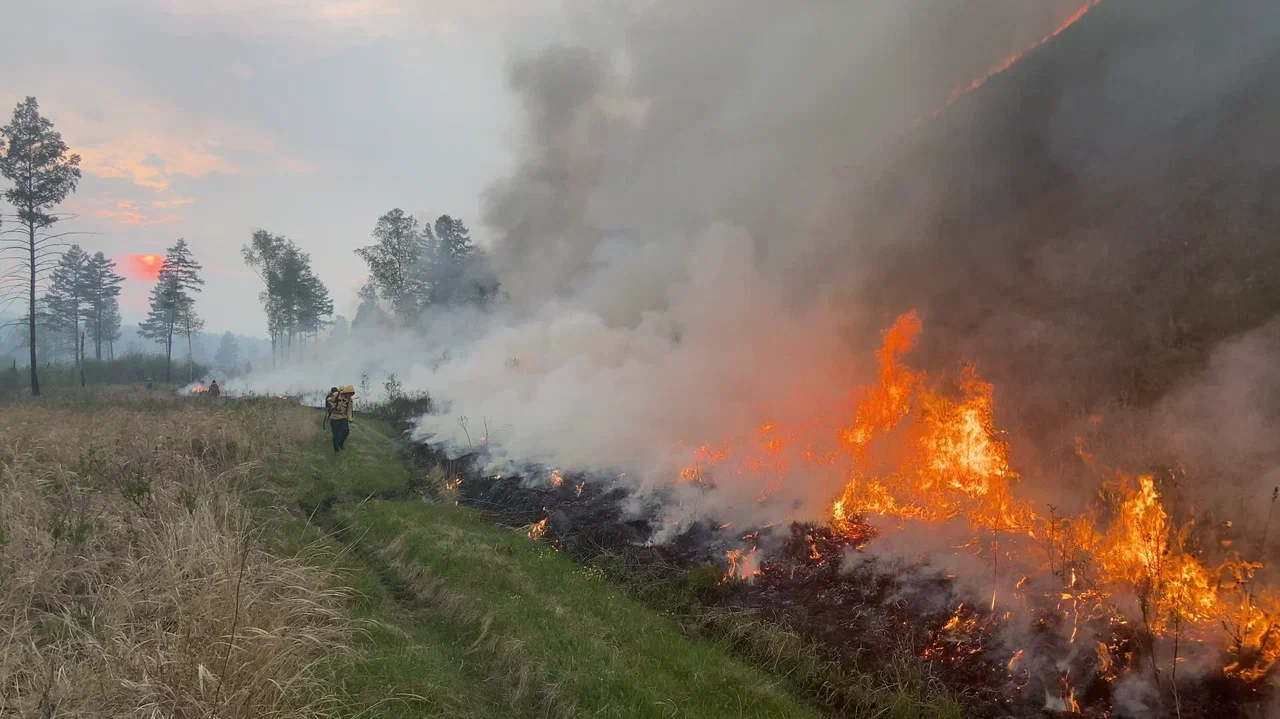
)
(340, 406)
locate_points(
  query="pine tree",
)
(460, 271)
(34, 158)
(189, 324)
(453, 240)
(172, 305)
(103, 288)
(111, 329)
(67, 298)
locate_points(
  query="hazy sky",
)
(207, 119)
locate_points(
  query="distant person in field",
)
(341, 412)
(148, 383)
(215, 390)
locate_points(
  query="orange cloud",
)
(151, 159)
(143, 267)
(125, 214)
(176, 202)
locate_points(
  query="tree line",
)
(412, 266)
(80, 309)
(79, 306)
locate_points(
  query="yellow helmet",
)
(347, 389)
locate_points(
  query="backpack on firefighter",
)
(329, 401)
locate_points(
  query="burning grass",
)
(934, 559)
(771, 630)
(1128, 590)
(136, 583)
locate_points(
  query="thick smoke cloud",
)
(658, 237)
(761, 114)
(719, 205)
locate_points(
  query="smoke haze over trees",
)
(228, 354)
(413, 268)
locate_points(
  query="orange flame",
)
(741, 566)
(537, 530)
(916, 452)
(999, 68)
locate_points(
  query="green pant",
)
(341, 428)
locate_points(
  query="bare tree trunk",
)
(191, 371)
(168, 357)
(31, 317)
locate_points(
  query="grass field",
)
(187, 557)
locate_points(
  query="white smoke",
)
(688, 234)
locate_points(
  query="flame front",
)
(999, 68)
(946, 461)
(916, 452)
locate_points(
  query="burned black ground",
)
(856, 611)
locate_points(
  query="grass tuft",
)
(136, 583)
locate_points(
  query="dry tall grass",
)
(132, 580)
